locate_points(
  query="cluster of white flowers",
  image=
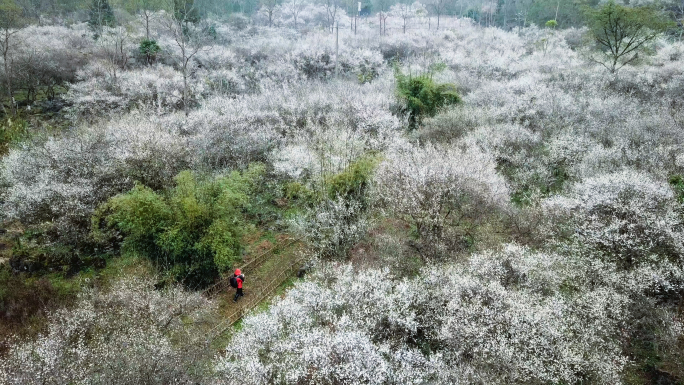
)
(541, 132)
(435, 188)
(98, 93)
(62, 179)
(333, 227)
(130, 333)
(512, 316)
(42, 58)
(628, 217)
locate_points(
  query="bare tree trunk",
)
(557, 7)
(337, 48)
(8, 75)
(185, 90)
(681, 21)
(147, 25)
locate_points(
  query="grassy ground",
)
(26, 300)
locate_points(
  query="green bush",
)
(34, 253)
(149, 49)
(367, 72)
(677, 183)
(192, 232)
(421, 96)
(297, 191)
(335, 219)
(351, 184)
(12, 132)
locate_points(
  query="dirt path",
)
(265, 269)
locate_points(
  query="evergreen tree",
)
(101, 14)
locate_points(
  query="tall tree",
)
(185, 11)
(113, 45)
(406, 12)
(522, 12)
(269, 9)
(438, 7)
(294, 8)
(621, 32)
(331, 9)
(10, 22)
(100, 15)
(188, 38)
(146, 15)
(146, 10)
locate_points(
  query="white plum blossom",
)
(502, 317)
(434, 187)
(130, 333)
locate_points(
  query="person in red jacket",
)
(239, 278)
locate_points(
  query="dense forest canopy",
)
(503, 13)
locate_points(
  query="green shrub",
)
(299, 192)
(677, 183)
(367, 72)
(351, 184)
(421, 96)
(12, 132)
(149, 49)
(34, 253)
(336, 220)
(192, 231)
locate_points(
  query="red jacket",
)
(239, 281)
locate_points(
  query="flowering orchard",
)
(477, 205)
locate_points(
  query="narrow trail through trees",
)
(264, 273)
